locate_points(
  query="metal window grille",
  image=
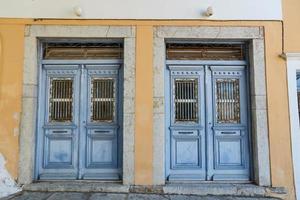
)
(186, 100)
(83, 51)
(103, 99)
(204, 51)
(228, 100)
(61, 100)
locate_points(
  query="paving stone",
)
(31, 196)
(69, 196)
(147, 197)
(190, 197)
(106, 196)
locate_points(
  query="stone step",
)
(119, 196)
(199, 189)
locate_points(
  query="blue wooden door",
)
(207, 135)
(78, 135)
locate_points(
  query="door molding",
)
(259, 122)
(31, 77)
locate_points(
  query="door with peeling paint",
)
(79, 134)
(207, 126)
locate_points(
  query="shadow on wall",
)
(7, 184)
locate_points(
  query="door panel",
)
(208, 135)
(101, 131)
(229, 129)
(78, 132)
(187, 136)
(58, 133)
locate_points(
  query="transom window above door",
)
(64, 50)
(205, 51)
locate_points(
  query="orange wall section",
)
(144, 104)
(291, 22)
(278, 113)
(11, 74)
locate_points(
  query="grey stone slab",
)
(77, 186)
(147, 197)
(189, 197)
(106, 196)
(69, 196)
(32, 196)
(122, 196)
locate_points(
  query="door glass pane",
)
(186, 100)
(103, 99)
(227, 100)
(61, 100)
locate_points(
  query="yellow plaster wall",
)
(11, 65)
(281, 165)
(144, 104)
(278, 113)
(291, 16)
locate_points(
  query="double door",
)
(79, 134)
(207, 123)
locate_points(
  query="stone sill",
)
(201, 189)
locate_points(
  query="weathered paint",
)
(281, 165)
(7, 184)
(144, 105)
(11, 65)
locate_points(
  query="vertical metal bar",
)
(92, 100)
(184, 99)
(109, 98)
(97, 115)
(105, 98)
(192, 102)
(189, 97)
(67, 99)
(176, 99)
(220, 101)
(227, 100)
(102, 95)
(223, 98)
(63, 100)
(105, 104)
(196, 97)
(175, 96)
(56, 98)
(53, 86)
(111, 106)
(60, 99)
(181, 101)
(231, 100)
(95, 101)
